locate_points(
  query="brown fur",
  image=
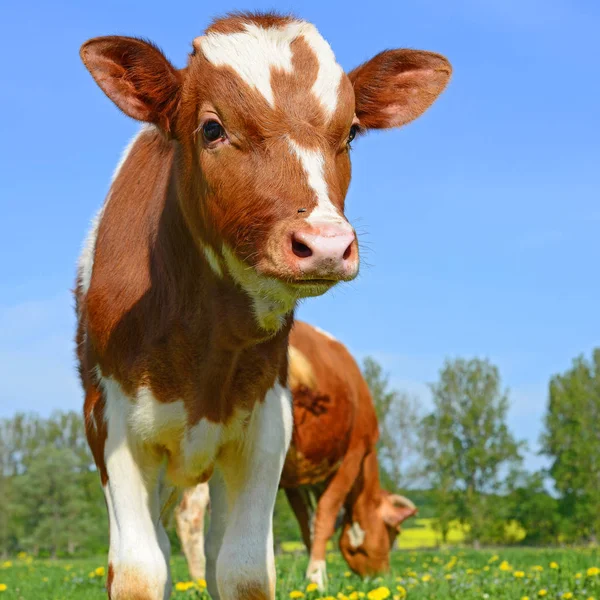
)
(333, 445)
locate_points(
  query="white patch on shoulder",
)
(271, 299)
(253, 53)
(313, 163)
(325, 333)
(356, 535)
(85, 264)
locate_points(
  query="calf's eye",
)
(213, 131)
(353, 132)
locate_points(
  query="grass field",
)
(464, 575)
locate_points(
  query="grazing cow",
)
(331, 466)
(227, 208)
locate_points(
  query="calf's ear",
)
(136, 76)
(397, 86)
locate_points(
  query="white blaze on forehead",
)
(314, 166)
(253, 53)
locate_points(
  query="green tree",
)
(50, 502)
(572, 440)
(534, 509)
(467, 446)
(399, 417)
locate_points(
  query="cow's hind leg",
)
(139, 547)
(251, 472)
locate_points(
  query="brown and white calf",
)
(227, 208)
(331, 468)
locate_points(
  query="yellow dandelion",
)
(296, 594)
(201, 583)
(311, 587)
(347, 574)
(505, 566)
(3, 587)
(353, 595)
(22, 555)
(7, 564)
(184, 586)
(486, 568)
(593, 571)
(525, 598)
(519, 574)
(494, 559)
(99, 571)
(537, 568)
(567, 595)
(426, 578)
(448, 576)
(554, 565)
(543, 593)
(401, 592)
(380, 593)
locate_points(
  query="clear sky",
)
(479, 220)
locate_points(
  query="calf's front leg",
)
(251, 470)
(138, 567)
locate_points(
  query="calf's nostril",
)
(348, 251)
(300, 250)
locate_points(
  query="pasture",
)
(513, 574)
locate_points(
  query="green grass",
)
(459, 574)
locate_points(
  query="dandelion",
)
(380, 593)
(578, 575)
(7, 564)
(519, 574)
(505, 566)
(543, 593)
(525, 598)
(347, 574)
(593, 571)
(494, 559)
(311, 587)
(184, 586)
(426, 578)
(567, 595)
(3, 587)
(99, 572)
(201, 583)
(401, 592)
(537, 568)
(554, 565)
(296, 594)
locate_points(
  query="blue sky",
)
(479, 220)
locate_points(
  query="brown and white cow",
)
(226, 209)
(331, 467)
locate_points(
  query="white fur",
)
(156, 422)
(251, 54)
(85, 264)
(330, 73)
(317, 573)
(356, 535)
(254, 53)
(213, 260)
(313, 163)
(271, 299)
(251, 473)
(138, 544)
(325, 333)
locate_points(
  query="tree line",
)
(459, 462)
(471, 466)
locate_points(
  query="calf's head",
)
(366, 544)
(263, 118)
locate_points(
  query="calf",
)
(331, 467)
(226, 209)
